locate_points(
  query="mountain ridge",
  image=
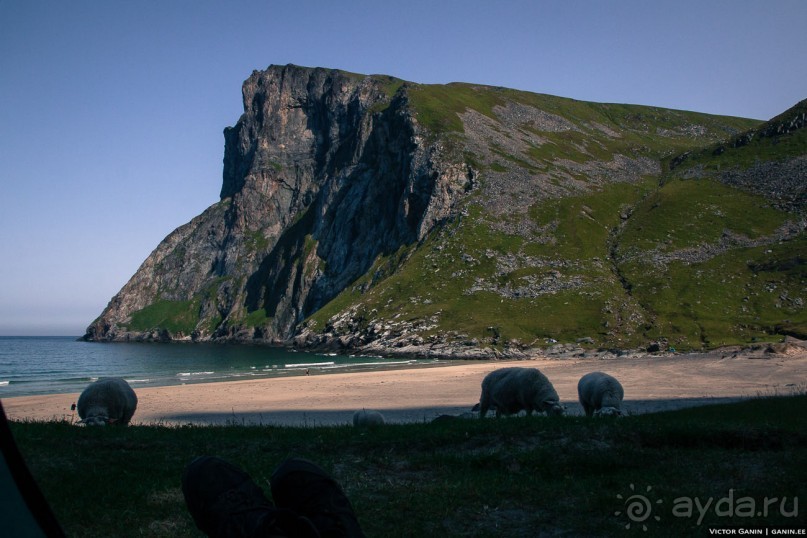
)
(371, 214)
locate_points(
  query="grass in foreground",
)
(509, 477)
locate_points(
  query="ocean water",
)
(59, 364)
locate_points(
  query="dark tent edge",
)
(40, 512)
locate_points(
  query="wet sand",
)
(652, 383)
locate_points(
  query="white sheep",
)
(600, 394)
(110, 400)
(367, 419)
(510, 390)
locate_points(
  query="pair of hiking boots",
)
(225, 503)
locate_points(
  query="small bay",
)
(33, 365)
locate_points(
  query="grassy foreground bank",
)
(529, 476)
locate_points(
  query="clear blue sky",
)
(111, 112)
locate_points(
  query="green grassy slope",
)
(456, 278)
(781, 138)
(641, 128)
(714, 264)
(702, 292)
(615, 262)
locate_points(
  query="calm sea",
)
(59, 364)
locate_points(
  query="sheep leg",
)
(484, 405)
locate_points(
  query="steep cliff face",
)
(323, 172)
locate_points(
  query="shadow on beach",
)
(341, 417)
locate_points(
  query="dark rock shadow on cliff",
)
(363, 209)
(265, 287)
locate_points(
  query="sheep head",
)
(97, 416)
(96, 420)
(608, 412)
(553, 408)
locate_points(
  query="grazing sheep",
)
(110, 400)
(367, 419)
(510, 390)
(600, 394)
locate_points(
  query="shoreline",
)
(652, 383)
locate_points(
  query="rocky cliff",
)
(370, 214)
(323, 172)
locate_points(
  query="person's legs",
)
(224, 502)
(304, 488)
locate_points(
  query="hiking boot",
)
(224, 502)
(304, 488)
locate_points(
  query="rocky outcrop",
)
(323, 172)
(780, 175)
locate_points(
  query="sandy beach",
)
(652, 383)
